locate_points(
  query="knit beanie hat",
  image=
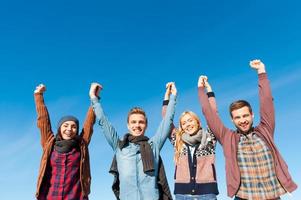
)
(68, 118)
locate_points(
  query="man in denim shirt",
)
(137, 156)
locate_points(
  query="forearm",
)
(164, 129)
(43, 121)
(106, 127)
(164, 107)
(267, 112)
(211, 116)
(212, 101)
(88, 125)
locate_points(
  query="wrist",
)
(261, 70)
(94, 97)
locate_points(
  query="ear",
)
(128, 126)
(253, 116)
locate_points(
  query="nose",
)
(243, 121)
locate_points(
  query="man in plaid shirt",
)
(254, 166)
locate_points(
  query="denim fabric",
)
(196, 197)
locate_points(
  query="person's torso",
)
(62, 177)
(257, 169)
(195, 170)
(134, 183)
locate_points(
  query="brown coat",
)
(47, 142)
(230, 139)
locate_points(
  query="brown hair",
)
(179, 142)
(239, 104)
(136, 110)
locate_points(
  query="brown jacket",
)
(230, 139)
(48, 139)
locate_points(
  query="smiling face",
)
(137, 124)
(242, 119)
(136, 121)
(189, 123)
(68, 130)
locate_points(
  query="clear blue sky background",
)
(133, 48)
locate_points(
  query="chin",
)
(193, 132)
(245, 130)
(136, 134)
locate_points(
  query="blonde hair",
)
(178, 146)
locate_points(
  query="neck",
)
(246, 133)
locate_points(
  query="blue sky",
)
(133, 48)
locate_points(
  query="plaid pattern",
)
(62, 180)
(256, 164)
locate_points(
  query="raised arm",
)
(166, 98)
(166, 124)
(43, 120)
(210, 94)
(164, 108)
(267, 112)
(108, 130)
(87, 131)
(212, 118)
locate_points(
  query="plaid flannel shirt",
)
(256, 164)
(62, 181)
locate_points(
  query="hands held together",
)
(95, 89)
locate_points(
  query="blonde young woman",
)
(195, 176)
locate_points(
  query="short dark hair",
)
(137, 110)
(239, 104)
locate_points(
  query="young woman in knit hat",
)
(65, 167)
(194, 146)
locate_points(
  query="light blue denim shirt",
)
(134, 183)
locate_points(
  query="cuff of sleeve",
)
(210, 94)
(262, 75)
(165, 102)
(95, 100)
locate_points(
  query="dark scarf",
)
(145, 150)
(65, 146)
(164, 192)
